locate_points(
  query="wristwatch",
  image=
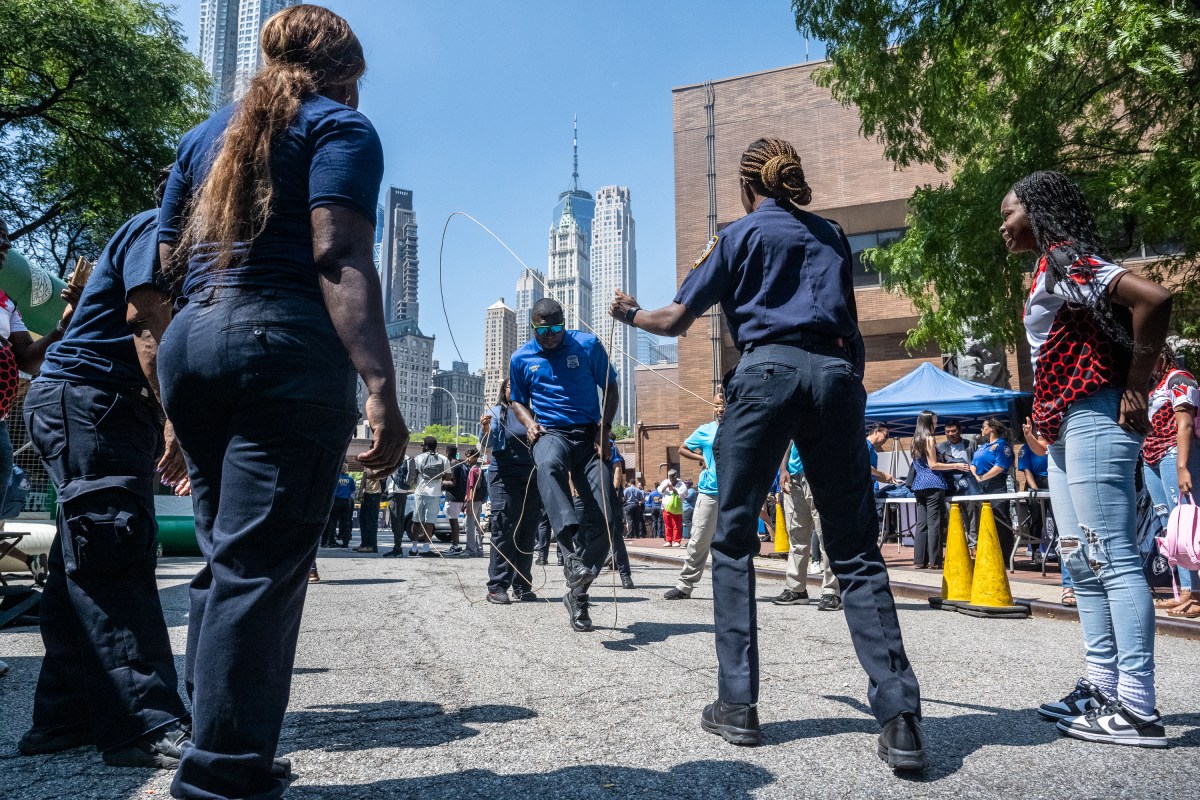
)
(631, 313)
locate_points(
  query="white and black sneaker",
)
(1084, 698)
(1116, 724)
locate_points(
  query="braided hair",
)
(772, 168)
(1063, 223)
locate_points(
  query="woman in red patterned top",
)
(1170, 457)
(1095, 331)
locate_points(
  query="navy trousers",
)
(340, 527)
(516, 512)
(368, 520)
(565, 456)
(779, 393)
(108, 660)
(261, 393)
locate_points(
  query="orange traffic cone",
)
(957, 572)
(991, 595)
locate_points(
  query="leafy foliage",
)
(445, 433)
(1106, 91)
(94, 95)
(620, 431)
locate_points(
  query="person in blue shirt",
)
(689, 507)
(1033, 471)
(990, 465)
(516, 502)
(109, 677)
(269, 221)
(634, 506)
(699, 447)
(803, 526)
(554, 382)
(654, 501)
(783, 278)
(340, 527)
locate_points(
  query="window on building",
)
(863, 276)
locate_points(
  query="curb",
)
(1039, 609)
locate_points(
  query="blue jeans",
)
(811, 395)
(1162, 482)
(1095, 507)
(261, 393)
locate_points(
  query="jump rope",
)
(609, 346)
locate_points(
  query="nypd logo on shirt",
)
(572, 362)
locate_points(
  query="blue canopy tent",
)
(928, 388)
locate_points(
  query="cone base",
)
(997, 612)
(942, 604)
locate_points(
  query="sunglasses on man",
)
(542, 330)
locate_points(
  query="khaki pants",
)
(704, 525)
(800, 516)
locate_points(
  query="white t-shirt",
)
(10, 319)
(430, 468)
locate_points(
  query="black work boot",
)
(902, 743)
(159, 749)
(576, 572)
(577, 609)
(736, 723)
(43, 741)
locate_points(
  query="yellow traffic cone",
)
(782, 543)
(957, 570)
(991, 595)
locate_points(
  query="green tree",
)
(445, 433)
(620, 431)
(94, 95)
(1107, 91)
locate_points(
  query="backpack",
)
(430, 466)
(1181, 544)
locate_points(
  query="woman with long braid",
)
(1095, 331)
(269, 216)
(783, 278)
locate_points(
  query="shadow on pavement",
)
(692, 781)
(653, 632)
(395, 723)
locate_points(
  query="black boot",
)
(902, 743)
(736, 723)
(577, 609)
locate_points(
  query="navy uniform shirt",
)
(560, 386)
(329, 156)
(776, 273)
(994, 454)
(97, 348)
(508, 443)
(1029, 460)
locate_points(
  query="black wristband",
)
(631, 313)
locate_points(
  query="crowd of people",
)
(216, 347)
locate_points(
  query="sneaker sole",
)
(801, 602)
(742, 737)
(904, 760)
(1055, 716)
(1100, 738)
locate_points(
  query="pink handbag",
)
(1181, 543)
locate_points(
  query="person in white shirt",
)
(672, 491)
(431, 469)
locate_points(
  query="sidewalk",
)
(1029, 587)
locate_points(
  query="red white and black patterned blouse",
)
(1176, 392)
(1073, 357)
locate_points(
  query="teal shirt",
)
(702, 439)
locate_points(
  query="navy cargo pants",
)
(261, 393)
(810, 395)
(108, 660)
(516, 512)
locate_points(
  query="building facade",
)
(613, 260)
(412, 359)
(531, 287)
(499, 343)
(399, 263)
(568, 274)
(463, 393)
(229, 42)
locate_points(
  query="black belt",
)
(800, 339)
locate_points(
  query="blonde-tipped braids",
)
(772, 168)
(307, 49)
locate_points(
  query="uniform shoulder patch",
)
(712, 243)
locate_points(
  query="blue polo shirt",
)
(1038, 465)
(560, 386)
(776, 272)
(329, 156)
(702, 439)
(995, 454)
(345, 487)
(97, 348)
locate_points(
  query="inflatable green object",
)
(37, 293)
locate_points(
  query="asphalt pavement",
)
(408, 684)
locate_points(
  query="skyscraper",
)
(398, 262)
(531, 287)
(613, 261)
(499, 343)
(583, 206)
(568, 279)
(229, 32)
(467, 390)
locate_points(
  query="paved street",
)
(408, 684)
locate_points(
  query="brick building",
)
(852, 182)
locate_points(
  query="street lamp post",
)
(454, 400)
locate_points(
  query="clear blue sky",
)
(474, 102)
